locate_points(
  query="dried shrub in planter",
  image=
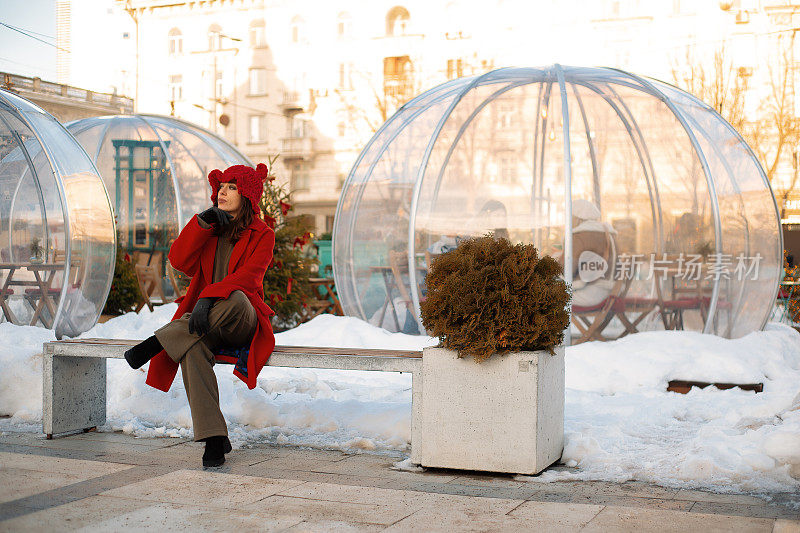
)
(488, 296)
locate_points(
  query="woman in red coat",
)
(226, 250)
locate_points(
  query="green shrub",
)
(124, 291)
(488, 296)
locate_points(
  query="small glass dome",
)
(57, 245)
(658, 209)
(155, 169)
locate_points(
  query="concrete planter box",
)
(503, 415)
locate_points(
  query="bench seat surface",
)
(282, 355)
(74, 375)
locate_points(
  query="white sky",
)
(24, 55)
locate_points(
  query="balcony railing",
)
(295, 100)
(15, 82)
(297, 148)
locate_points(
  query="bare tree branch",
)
(774, 129)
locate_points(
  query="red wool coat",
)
(193, 254)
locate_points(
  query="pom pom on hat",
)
(249, 182)
(262, 171)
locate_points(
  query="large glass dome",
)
(155, 169)
(56, 228)
(666, 216)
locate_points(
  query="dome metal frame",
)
(566, 79)
(62, 324)
(83, 125)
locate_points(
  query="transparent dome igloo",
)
(676, 226)
(56, 228)
(155, 169)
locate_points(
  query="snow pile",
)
(620, 422)
(21, 374)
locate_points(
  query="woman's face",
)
(228, 198)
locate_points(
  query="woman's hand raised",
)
(215, 215)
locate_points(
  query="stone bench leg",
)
(73, 393)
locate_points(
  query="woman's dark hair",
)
(234, 230)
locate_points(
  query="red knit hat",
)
(249, 182)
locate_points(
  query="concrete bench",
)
(74, 376)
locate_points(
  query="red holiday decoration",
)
(302, 241)
(289, 277)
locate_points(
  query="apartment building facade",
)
(312, 81)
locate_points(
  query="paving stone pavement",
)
(103, 481)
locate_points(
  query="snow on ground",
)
(620, 423)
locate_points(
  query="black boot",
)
(143, 352)
(216, 448)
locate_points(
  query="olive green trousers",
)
(233, 322)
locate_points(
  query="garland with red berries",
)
(286, 285)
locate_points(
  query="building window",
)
(176, 88)
(455, 68)
(398, 77)
(345, 80)
(258, 34)
(258, 81)
(298, 127)
(506, 115)
(300, 176)
(508, 169)
(297, 29)
(219, 85)
(214, 37)
(343, 23)
(258, 127)
(175, 42)
(397, 20)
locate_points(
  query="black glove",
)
(215, 215)
(198, 322)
